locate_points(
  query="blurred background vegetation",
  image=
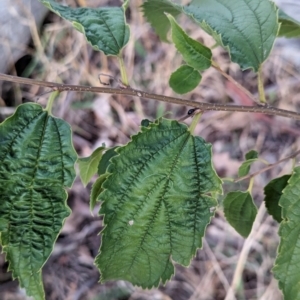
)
(36, 43)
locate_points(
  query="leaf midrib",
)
(162, 200)
(32, 186)
(141, 169)
(121, 201)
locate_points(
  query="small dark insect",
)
(191, 111)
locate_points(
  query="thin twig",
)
(269, 110)
(216, 265)
(270, 166)
(231, 79)
(254, 236)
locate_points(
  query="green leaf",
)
(88, 166)
(156, 204)
(145, 122)
(125, 5)
(273, 191)
(105, 160)
(154, 11)
(37, 164)
(184, 79)
(194, 53)
(252, 154)
(289, 28)
(246, 28)
(102, 167)
(250, 157)
(245, 167)
(105, 28)
(286, 268)
(96, 190)
(240, 211)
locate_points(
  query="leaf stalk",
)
(250, 185)
(261, 91)
(52, 97)
(124, 77)
(195, 121)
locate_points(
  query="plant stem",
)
(195, 121)
(270, 166)
(123, 70)
(250, 185)
(51, 100)
(238, 85)
(256, 234)
(294, 163)
(264, 109)
(229, 179)
(261, 91)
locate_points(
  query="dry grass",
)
(227, 262)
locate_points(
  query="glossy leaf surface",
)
(37, 164)
(287, 263)
(156, 204)
(247, 28)
(240, 211)
(194, 53)
(88, 166)
(105, 28)
(273, 191)
(184, 79)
